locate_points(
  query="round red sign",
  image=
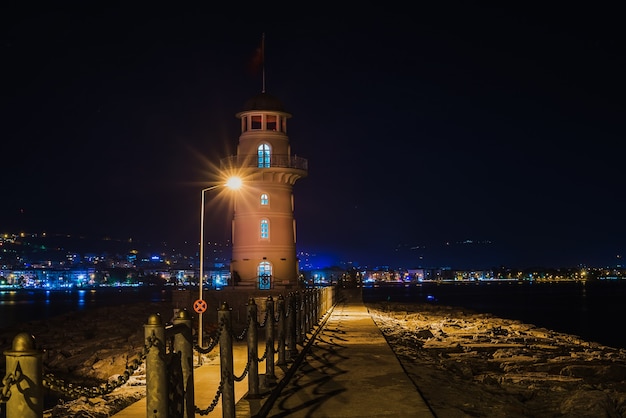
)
(199, 306)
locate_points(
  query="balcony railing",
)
(253, 160)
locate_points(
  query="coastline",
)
(468, 364)
(578, 308)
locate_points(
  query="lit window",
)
(264, 156)
(265, 268)
(271, 122)
(265, 199)
(265, 229)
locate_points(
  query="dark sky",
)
(463, 135)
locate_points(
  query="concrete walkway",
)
(349, 370)
(346, 370)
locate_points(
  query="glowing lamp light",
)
(234, 183)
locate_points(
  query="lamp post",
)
(232, 183)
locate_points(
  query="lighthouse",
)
(263, 225)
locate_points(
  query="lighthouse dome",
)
(263, 101)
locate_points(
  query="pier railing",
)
(168, 358)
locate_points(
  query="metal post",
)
(183, 344)
(253, 352)
(309, 310)
(281, 330)
(25, 363)
(326, 299)
(270, 377)
(299, 320)
(316, 306)
(312, 310)
(306, 313)
(156, 369)
(201, 273)
(291, 327)
(226, 362)
(312, 319)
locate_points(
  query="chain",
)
(8, 381)
(215, 339)
(243, 374)
(213, 404)
(279, 312)
(244, 332)
(262, 324)
(76, 391)
(220, 389)
(264, 356)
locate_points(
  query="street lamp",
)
(232, 183)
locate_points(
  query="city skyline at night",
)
(43, 250)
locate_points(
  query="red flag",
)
(258, 60)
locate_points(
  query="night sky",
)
(461, 135)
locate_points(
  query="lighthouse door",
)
(265, 275)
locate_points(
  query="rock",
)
(591, 403)
(88, 349)
(424, 334)
(514, 369)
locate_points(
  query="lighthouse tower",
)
(264, 228)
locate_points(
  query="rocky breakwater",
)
(88, 349)
(470, 364)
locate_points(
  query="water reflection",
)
(81, 298)
(18, 306)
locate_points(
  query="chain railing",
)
(168, 357)
(286, 322)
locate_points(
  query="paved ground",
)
(348, 370)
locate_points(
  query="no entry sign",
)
(199, 306)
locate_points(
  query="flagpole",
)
(263, 59)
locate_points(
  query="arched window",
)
(264, 156)
(265, 229)
(265, 199)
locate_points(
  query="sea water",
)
(24, 305)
